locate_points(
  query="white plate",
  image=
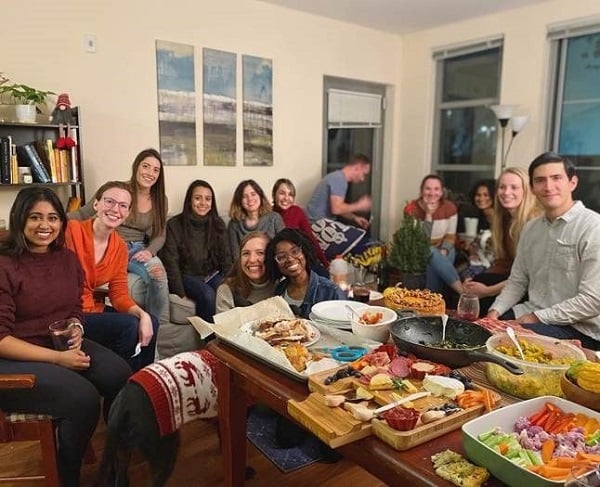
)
(373, 295)
(336, 310)
(340, 325)
(250, 328)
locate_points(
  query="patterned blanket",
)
(181, 388)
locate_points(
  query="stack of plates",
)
(335, 313)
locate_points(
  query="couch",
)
(175, 334)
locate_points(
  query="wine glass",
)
(468, 307)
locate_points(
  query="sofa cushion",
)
(180, 309)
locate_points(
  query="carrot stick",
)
(548, 471)
(565, 462)
(547, 450)
(487, 400)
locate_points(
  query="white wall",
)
(41, 45)
(525, 69)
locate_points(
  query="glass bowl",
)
(538, 379)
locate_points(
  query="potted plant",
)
(408, 254)
(26, 100)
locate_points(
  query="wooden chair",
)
(29, 427)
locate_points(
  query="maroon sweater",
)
(36, 290)
(294, 217)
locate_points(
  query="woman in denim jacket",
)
(290, 254)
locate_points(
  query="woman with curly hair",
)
(515, 206)
(196, 253)
(250, 211)
(290, 255)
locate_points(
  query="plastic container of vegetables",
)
(547, 359)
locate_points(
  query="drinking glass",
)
(60, 332)
(360, 292)
(468, 307)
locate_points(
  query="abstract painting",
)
(176, 103)
(258, 111)
(220, 107)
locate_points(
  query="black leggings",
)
(72, 398)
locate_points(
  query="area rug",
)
(261, 432)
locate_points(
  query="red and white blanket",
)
(181, 388)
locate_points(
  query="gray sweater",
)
(271, 223)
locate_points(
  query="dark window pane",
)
(579, 129)
(587, 188)
(472, 76)
(459, 183)
(468, 136)
(344, 142)
(582, 74)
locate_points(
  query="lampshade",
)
(503, 112)
(518, 123)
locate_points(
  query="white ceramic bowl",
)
(380, 331)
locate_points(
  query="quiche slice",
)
(452, 467)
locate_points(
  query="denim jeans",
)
(157, 288)
(440, 269)
(119, 333)
(203, 294)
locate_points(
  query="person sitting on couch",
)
(196, 253)
(103, 257)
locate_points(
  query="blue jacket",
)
(319, 289)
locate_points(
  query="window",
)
(468, 82)
(575, 123)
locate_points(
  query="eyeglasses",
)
(110, 203)
(294, 252)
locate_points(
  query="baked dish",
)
(422, 301)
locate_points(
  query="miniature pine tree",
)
(410, 247)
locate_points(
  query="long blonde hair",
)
(506, 230)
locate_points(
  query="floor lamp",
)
(504, 115)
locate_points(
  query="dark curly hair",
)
(297, 238)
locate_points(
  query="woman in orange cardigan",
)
(103, 257)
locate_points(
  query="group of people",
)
(52, 264)
(545, 247)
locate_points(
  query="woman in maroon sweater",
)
(41, 282)
(284, 195)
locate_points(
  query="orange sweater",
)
(112, 268)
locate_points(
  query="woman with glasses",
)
(40, 282)
(250, 211)
(124, 326)
(284, 196)
(248, 281)
(145, 228)
(290, 255)
(196, 253)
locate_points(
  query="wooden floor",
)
(198, 463)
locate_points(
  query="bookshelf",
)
(65, 172)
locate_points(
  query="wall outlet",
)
(89, 43)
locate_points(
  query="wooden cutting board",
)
(404, 440)
(316, 383)
(334, 426)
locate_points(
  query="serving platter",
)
(336, 426)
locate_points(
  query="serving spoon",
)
(444, 323)
(513, 338)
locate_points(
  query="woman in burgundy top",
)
(41, 282)
(284, 195)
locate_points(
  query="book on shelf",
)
(52, 160)
(73, 153)
(5, 166)
(63, 163)
(14, 165)
(29, 155)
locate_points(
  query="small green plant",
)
(410, 247)
(25, 95)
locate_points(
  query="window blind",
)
(460, 49)
(349, 108)
(574, 28)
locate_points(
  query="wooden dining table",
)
(242, 379)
